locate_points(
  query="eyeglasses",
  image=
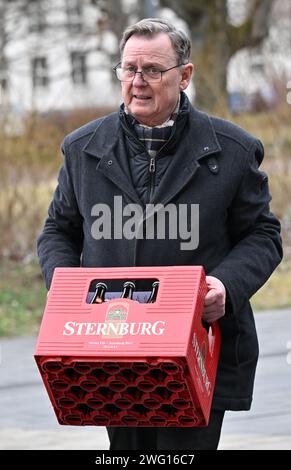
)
(149, 74)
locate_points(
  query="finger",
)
(210, 310)
(218, 302)
(210, 297)
(209, 318)
(218, 310)
(220, 298)
(212, 318)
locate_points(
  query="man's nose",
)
(138, 79)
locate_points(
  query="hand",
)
(214, 303)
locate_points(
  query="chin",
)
(136, 111)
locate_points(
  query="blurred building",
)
(50, 56)
(58, 55)
(257, 77)
(253, 83)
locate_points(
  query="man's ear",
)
(186, 76)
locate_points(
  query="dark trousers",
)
(204, 438)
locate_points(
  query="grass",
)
(23, 296)
(276, 293)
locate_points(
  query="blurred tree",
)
(3, 61)
(217, 36)
(114, 18)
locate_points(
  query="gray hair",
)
(152, 26)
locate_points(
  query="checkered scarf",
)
(155, 137)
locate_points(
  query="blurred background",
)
(56, 61)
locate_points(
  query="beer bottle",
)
(154, 292)
(128, 290)
(99, 294)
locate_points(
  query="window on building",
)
(74, 16)
(3, 75)
(3, 84)
(3, 91)
(40, 72)
(79, 68)
(36, 16)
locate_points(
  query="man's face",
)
(152, 103)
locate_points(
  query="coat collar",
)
(201, 130)
(202, 134)
(105, 145)
(198, 141)
(104, 136)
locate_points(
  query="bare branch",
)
(255, 29)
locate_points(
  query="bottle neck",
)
(128, 289)
(154, 292)
(99, 295)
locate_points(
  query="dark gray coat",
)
(215, 165)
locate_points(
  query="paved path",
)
(27, 420)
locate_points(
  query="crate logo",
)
(200, 356)
(116, 313)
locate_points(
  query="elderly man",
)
(158, 149)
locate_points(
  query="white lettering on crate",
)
(201, 364)
(116, 328)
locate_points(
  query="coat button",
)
(206, 149)
(213, 165)
(109, 162)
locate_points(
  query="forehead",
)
(157, 48)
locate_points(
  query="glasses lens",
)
(127, 75)
(152, 75)
(124, 75)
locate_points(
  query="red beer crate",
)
(125, 362)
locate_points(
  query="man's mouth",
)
(141, 97)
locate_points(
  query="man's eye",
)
(130, 69)
(152, 70)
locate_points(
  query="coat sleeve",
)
(60, 243)
(255, 234)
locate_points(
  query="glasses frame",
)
(142, 73)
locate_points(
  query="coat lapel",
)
(106, 144)
(199, 141)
